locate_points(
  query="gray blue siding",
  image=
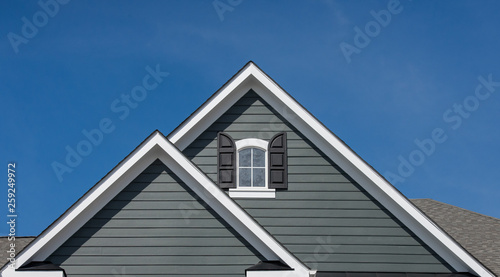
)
(156, 227)
(324, 217)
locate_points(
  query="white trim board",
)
(252, 77)
(252, 193)
(32, 273)
(269, 273)
(156, 146)
(251, 142)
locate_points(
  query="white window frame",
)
(246, 144)
(252, 192)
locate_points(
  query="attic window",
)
(252, 168)
(251, 163)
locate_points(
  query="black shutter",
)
(226, 161)
(278, 162)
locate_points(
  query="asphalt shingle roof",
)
(21, 243)
(477, 233)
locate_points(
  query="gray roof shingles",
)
(21, 243)
(477, 233)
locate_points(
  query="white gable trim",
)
(251, 77)
(155, 147)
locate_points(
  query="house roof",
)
(41, 266)
(252, 77)
(477, 233)
(168, 150)
(21, 243)
(269, 265)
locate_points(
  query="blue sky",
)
(387, 77)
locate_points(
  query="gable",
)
(156, 225)
(322, 163)
(324, 217)
(156, 146)
(251, 77)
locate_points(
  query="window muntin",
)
(251, 164)
(252, 168)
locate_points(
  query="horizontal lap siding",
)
(155, 227)
(324, 217)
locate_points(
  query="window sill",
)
(252, 193)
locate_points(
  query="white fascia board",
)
(251, 77)
(10, 272)
(155, 147)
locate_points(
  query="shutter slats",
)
(226, 161)
(278, 164)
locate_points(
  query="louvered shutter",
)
(226, 161)
(278, 162)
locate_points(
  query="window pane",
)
(244, 177)
(259, 176)
(245, 156)
(259, 158)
